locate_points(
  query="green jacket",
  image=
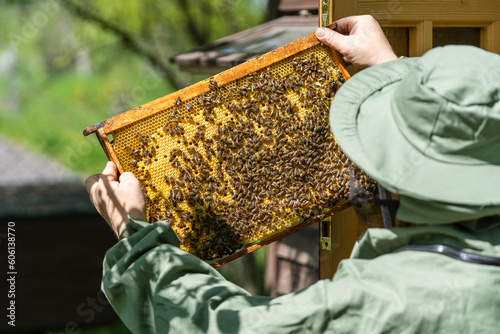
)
(155, 287)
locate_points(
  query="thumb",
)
(110, 171)
(331, 38)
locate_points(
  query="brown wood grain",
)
(429, 10)
(490, 37)
(420, 39)
(345, 231)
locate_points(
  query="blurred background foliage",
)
(68, 64)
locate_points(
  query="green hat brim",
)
(362, 120)
(432, 212)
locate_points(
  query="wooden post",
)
(420, 38)
(325, 13)
(344, 230)
(490, 37)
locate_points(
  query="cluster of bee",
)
(243, 160)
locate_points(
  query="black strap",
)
(388, 215)
(452, 252)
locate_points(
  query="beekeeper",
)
(426, 128)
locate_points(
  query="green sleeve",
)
(155, 287)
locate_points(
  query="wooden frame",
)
(106, 128)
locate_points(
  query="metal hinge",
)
(325, 234)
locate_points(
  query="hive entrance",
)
(238, 158)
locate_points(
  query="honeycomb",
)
(243, 160)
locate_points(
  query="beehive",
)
(241, 156)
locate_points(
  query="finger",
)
(331, 38)
(130, 182)
(346, 24)
(128, 177)
(110, 171)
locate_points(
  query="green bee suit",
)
(155, 287)
(426, 128)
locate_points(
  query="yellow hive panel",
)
(242, 160)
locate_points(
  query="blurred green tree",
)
(157, 30)
(68, 64)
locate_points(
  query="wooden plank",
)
(344, 8)
(490, 37)
(435, 24)
(296, 5)
(420, 39)
(346, 229)
(428, 10)
(473, 13)
(460, 24)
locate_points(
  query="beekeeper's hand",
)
(115, 199)
(360, 40)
